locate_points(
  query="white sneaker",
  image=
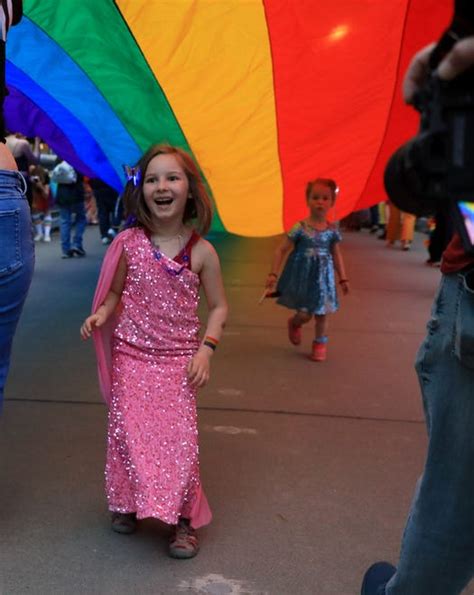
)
(47, 239)
(106, 241)
(38, 237)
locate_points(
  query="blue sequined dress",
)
(307, 282)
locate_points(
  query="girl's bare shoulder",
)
(203, 253)
(204, 248)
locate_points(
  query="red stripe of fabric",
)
(425, 22)
(335, 71)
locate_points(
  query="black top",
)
(70, 194)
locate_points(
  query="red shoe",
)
(319, 352)
(294, 332)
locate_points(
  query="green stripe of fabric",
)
(94, 34)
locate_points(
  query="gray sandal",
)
(183, 542)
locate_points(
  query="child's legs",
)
(320, 326)
(47, 222)
(37, 218)
(301, 318)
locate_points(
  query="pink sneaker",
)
(319, 352)
(294, 332)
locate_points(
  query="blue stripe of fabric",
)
(87, 150)
(26, 114)
(70, 87)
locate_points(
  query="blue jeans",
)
(66, 214)
(16, 262)
(437, 553)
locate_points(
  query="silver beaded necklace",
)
(159, 255)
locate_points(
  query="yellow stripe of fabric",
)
(213, 62)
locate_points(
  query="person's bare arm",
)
(279, 257)
(211, 279)
(340, 268)
(111, 301)
(31, 155)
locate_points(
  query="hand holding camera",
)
(456, 61)
(437, 165)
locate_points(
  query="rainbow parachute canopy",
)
(265, 94)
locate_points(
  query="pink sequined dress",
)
(152, 465)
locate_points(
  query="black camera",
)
(437, 165)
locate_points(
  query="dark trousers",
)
(110, 213)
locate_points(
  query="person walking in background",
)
(147, 298)
(24, 157)
(307, 283)
(106, 198)
(41, 203)
(16, 239)
(70, 200)
(22, 152)
(401, 226)
(90, 204)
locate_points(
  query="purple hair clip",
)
(133, 174)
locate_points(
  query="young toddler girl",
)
(307, 282)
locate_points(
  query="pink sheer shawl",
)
(103, 335)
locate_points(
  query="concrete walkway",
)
(309, 468)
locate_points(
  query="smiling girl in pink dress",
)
(150, 357)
